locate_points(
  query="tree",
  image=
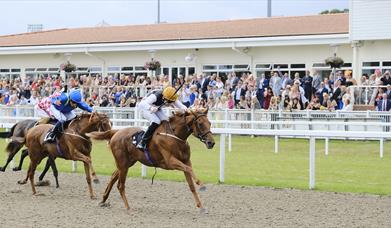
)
(334, 11)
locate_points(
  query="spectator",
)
(384, 104)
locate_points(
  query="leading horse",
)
(72, 145)
(168, 149)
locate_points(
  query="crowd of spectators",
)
(276, 90)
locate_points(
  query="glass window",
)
(15, 70)
(127, 68)
(388, 63)
(347, 65)
(30, 69)
(166, 70)
(42, 69)
(4, 70)
(191, 70)
(297, 65)
(82, 69)
(140, 68)
(95, 69)
(113, 69)
(371, 64)
(225, 67)
(282, 66)
(209, 67)
(242, 66)
(182, 71)
(54, 69)
(320, 65)
(262, 66)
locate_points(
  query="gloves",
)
(153, 109)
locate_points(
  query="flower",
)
(68, 67)
(334, 62)
(152, 65)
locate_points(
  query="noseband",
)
(200, 135)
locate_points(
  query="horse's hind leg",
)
(93, 174)
(121, 186)
(27, 176)
(24, 154)
(10, 157)
(11, 154)
(114, 178)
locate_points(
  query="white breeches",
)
(156, 117)
(62, 116)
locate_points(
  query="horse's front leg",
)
(77, 156)
(24, 154)
(197, 181)
(190, 182)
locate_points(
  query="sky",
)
(15, 15)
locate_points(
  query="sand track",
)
(170, 204)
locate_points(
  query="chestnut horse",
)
(168, 149)
(19, 132)
(72, 145)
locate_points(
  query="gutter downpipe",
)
(245, 54)
(104, 72)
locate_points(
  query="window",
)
(371, 64)
(191, 70)
(209, 67)
(293, 66)
(30, 69)
(262, 66)
(42, 69)
(15, 70)
(113, 69)
(4, 70)
(140, 68)
(127, 69)
(95, 69)
(54, 69)
(225, 67)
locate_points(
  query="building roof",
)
(245, 28)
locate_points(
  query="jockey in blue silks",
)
(61, 108)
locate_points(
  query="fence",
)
(308, 124)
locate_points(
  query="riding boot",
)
(147, 136)
(54, 133)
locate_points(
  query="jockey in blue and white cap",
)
(62, 107)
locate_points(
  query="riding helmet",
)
(169, 93)
(75, 96)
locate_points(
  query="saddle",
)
(46, 120)
(137, 137)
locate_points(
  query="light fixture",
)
(190, 57)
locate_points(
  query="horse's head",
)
(200, 126)
(88, 122)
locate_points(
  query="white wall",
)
(370, 19)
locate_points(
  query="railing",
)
(308, 124)
(365, 95)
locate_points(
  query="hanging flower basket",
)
(68, 67)
(152, 65)
(334, 62)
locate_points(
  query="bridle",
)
(200, 135)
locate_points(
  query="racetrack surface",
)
(170, 204)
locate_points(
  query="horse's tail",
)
(102, 135)
(8, 134)
(15, 144)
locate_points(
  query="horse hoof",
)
(42, 183)
(57, 186)
(22, 182)
(203, 188)
(204, 211)
(16, 169)
(96, 181)
(103, 204)
(38, 194)
(93, 197)
(2, 169)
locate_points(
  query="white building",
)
(361, 38)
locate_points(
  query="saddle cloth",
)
(136, 138)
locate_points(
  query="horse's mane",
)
(180, 114)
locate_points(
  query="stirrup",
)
(49, 138)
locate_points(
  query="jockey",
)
(60, 106)
(151, 110)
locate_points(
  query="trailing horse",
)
(72, 145)
(17, 135)
(168, 149)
